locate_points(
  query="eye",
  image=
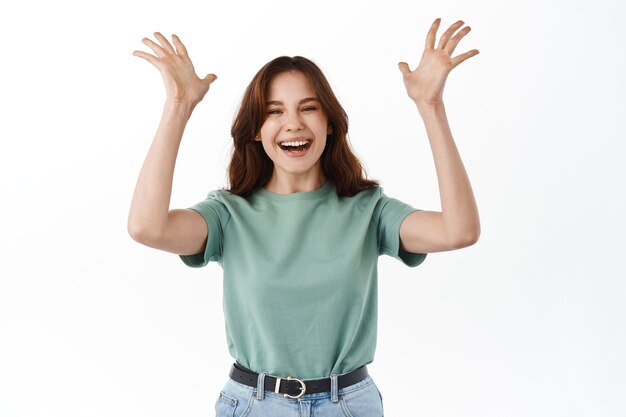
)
(309, 108)
(274, 111)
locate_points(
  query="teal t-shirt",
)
(300, 275)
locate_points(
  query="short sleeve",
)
(216, 216)
(391, 213)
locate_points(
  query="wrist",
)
(178, 106)
(428, 105)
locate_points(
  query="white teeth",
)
(295, 143)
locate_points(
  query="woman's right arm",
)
(150, 221)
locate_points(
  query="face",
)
(295, 128)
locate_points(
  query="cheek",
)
(269, 127)
(324, 145)
(322, 125)
(268, 148)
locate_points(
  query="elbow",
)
(136, 233)
(465, 240)
(472, 239)
(141, 234)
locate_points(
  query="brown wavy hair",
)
(250, 168)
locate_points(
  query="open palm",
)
(425, 83)
(179, 75)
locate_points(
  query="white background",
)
(530, 321)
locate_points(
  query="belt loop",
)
(260, 386)
(334, 391)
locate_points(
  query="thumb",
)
(404, 68)
(210, 78)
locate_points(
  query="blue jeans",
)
(358, 400)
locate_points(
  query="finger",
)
(150, 58)
(158, 50)
(404, 68)
(164, 42)
(448, 33)
(432, 34)
(180, 48)
(210, 78)
(458, 59)
(452, 44)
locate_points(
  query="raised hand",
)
(179, 76)
(425, 84)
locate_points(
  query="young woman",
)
(300, 229)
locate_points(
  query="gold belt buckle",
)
(289, 378)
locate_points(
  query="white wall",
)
(527, 322)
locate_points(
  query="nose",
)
(293, 121)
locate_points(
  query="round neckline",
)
(304, 195)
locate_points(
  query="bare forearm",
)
(150, 204)
(458, 206)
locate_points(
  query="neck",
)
(290, 184)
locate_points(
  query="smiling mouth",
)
(295, 145)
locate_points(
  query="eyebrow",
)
(280, 103)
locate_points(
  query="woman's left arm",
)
(458, 223)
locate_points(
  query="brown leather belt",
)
(293, 387)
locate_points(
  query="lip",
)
(296, 154)
(294, 139)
